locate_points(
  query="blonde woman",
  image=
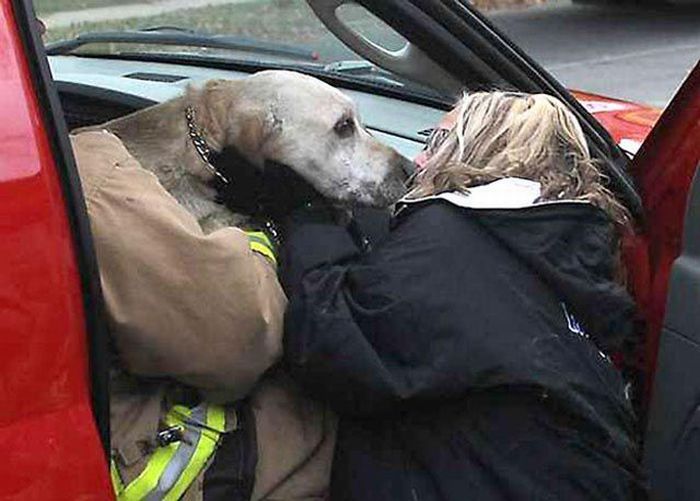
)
(466, 354)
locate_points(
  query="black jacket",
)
(458, 356)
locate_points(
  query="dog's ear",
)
(238, 120)
(253, 129)
(216, 98)
(256, 127)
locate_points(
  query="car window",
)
(639, 51)
(259, 31)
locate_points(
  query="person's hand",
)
(271, 192)
(283, 191)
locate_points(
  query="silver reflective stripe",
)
(183, 455)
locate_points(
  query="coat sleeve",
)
(342, 322)
(203, 309)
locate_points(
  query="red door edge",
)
(48, 436)
(57, 135)
(664, 169)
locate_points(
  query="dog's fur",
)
(278, 116)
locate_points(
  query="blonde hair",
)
(505, 134)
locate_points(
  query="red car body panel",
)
(664, 170)
(48, 439)
(622, 119)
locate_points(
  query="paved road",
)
(637, 54)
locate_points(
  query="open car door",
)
(54, 418)
(668, 292)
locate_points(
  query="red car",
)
(54, 351)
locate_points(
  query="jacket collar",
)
(506, 193)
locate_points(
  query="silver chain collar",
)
(204, 152)
(200, 144)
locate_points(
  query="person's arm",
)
(344, 308)
(203, 309)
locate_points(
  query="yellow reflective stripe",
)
(209, 434)
(216, 419)
(208, 440)
(116, 479)
(265, 251)
(148, 479)
(178, 415)
(142, 485)
(260, 242)
(259, 235)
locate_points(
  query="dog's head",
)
(301, 122)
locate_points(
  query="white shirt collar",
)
(506, 193)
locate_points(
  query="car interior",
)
(395, 73)
(102, 76)
(403, 82)
(401, 91)
(93, 91)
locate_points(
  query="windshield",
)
(263, 32)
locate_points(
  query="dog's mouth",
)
(394, 185)
(383, 195)
(379, 195)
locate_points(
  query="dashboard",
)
(95, 90)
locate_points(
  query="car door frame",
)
(664, 169)
(668, 171)
(55, 127)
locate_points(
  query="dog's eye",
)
(345, 127)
